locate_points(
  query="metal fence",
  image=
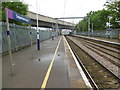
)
(103, 33)
(0, 37)
(20, 36)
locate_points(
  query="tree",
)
(113, 6)
(1, 11)
(98, 18)
(82, 25)
(18, 7)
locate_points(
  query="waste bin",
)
(119, 36)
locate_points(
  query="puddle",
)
(39, 59)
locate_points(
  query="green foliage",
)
(0, 11)
(82, 25)
(113, 6)
(100, 18)
(18, 7)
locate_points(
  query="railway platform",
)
(53, 66)
(102, 39)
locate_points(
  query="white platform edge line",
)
(79, 67)
(100, 40)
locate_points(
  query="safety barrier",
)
(102, 33)
(20, 36)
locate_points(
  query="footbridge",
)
(48, 22)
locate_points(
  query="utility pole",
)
(57, 27)
(88, 26)
(52, 31)
(92, 29)
(109, 21)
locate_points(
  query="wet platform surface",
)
(31, 67)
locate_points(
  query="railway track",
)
(103, 71)
(110, 56)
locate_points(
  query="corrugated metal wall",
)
(20, 36)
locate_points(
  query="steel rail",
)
(117, 76)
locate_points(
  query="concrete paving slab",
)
(59, 73)
(28, 72)
(75, 78)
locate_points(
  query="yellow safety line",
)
(64, 44)
(50, 67)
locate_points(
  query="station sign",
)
(53, 29)
(16, 16)
(109, 29)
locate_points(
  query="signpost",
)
(15, 16)
(108, 31)
(53, 31)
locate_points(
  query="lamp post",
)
(109, 20)
(57, 26)
(92, 29)
(109, 27)
(38, 37)
(88, 26)
(52, 31)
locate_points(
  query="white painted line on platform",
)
(79, 67)
(50, 67)
(99, 40)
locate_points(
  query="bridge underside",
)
(49, 25)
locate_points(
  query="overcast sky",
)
(65, 8)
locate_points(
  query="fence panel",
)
(20, 36)
(102, 33)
